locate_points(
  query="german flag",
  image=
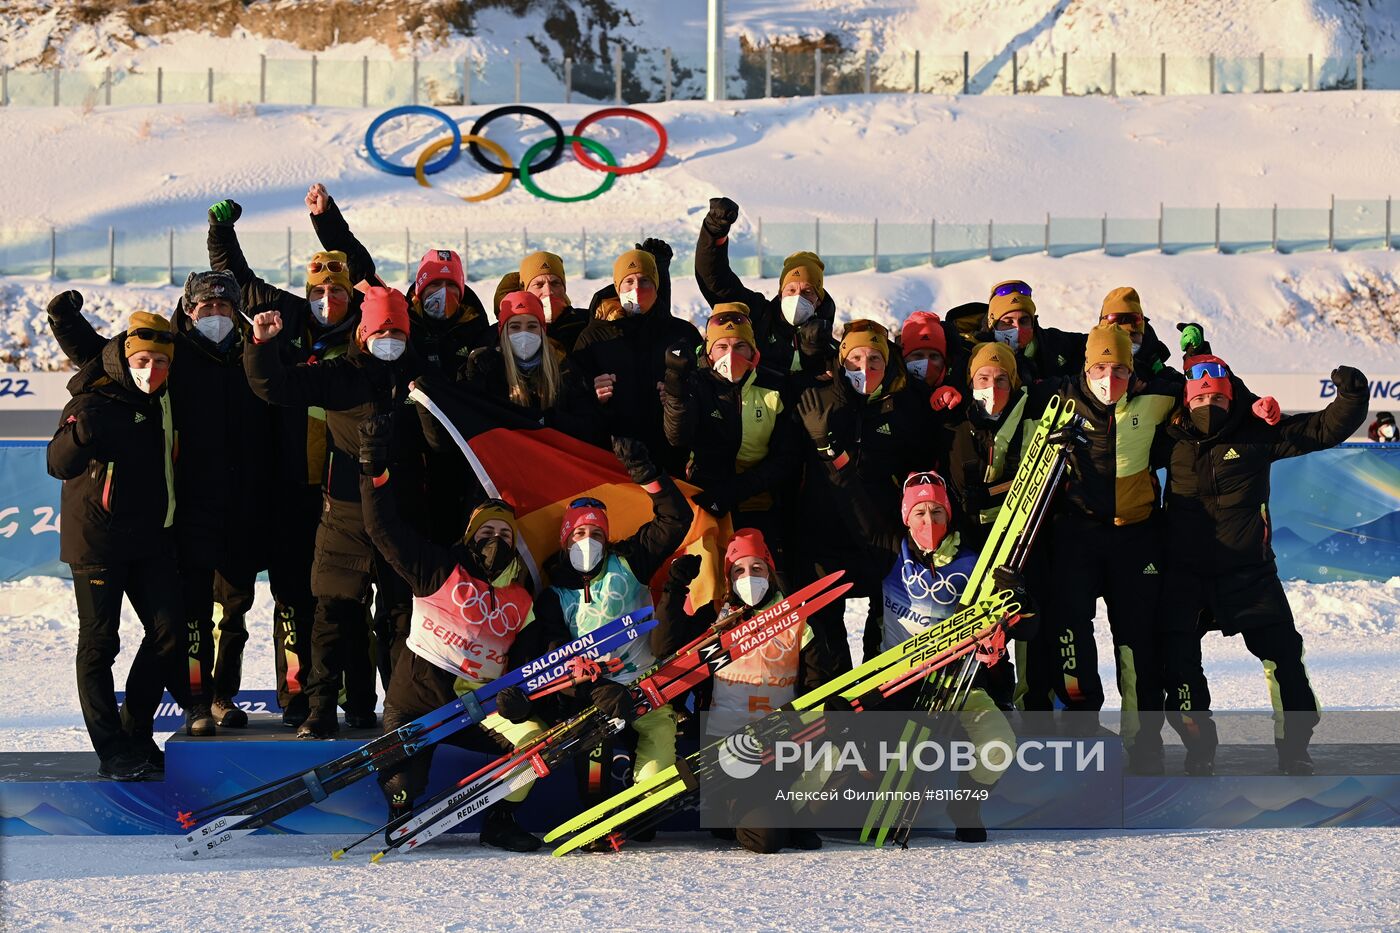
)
(539, 471)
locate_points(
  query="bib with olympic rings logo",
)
(468, 627)
(915, 596)
(614, 592)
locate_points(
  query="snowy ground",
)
(1217, 880)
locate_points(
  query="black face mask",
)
(493, 555)
(1208, 419)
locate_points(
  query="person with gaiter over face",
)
(920, 567)
(728, 416)
(595, 580)
(317, 325)
(860, 416)
(113, 451)
(793, 328)
(1041, 352)
(479, 590)
(542, 275)
(1220, 566)
(1104, 540)
(372, 378)
(757, 683)
(526, 368)
(623, 351)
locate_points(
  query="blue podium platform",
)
(59, 793)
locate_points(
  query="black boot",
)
(125, 766)
(500, 831)
(805, 839)
(966, 814)
(228, 715)
(296, 712)
(321, 724)
(199, 721)
(1200, 763)
(361, 720)
(1293, 757)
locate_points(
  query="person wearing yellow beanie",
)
(634, 277)
(1041, 352)
(149, 348)
(542, 274)
(986, 446)
(1122, 307)
(794, 325)
(1108, 362)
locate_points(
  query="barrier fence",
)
(157, 256)
(631, 76)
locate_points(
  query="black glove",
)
(86, 428)
(513, 704)
(225, 213)
(65, 303)
(1070, 436)
(723, 213)
(684, 569)
(717, 499)
(680, 363)
(1008, 579)
(660, 249)
(615, 700)
(635, 460)
(1350, 381)
(814, 412)
(376, 444)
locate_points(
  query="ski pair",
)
(647, 805)
(1025, 499)
(722, 643)
(252, 809)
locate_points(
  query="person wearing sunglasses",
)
(862, 416)
(1041, 352)
(919, 567)
(595, 580)
(1221, 573)
(793, 327)
(371, 378)
(529, 370)
(728, 415)
(471, 606)
(1104, 542)
(114, 452)
(318, 323)
(755, 684)
(1123, 309)
(622, 350)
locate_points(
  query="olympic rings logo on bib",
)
(920, 584)
(474, 609)
(540, 157)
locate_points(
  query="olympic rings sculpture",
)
(540, 157)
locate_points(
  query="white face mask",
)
(1387, 431)
(142, 377)
(1103, 388)
(386, 348)
(630, 304)
(525, 344)
(548, 303)
(435, 304)
(751, 589)
(797, 310)
(585, 554)
(857, 379)
(1010, 337)
(1137, 344)
(986, 398)
(724, 367)
(918, 369)
(320, 309)
(214, 328)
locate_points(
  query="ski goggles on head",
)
(333, 266)
(1012, 288)
(860, 327)
(924, 479)
(1213, 370)
(586, 502)
(730, 317)
(1129, 318)
(150, 333)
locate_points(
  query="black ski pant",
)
(1251, 603)
(341, 648)
(153, 588)
(1121, 564)
(288, 561)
